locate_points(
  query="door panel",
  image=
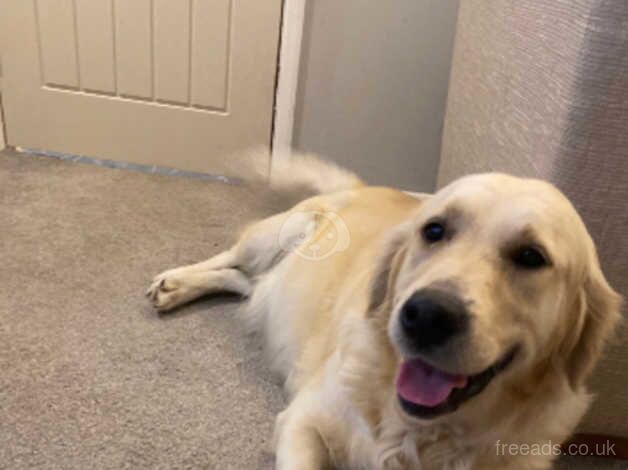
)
(133, 20)
(181, 84)
(210, 53)
(55, 27)
(96, 45)
(172, 51)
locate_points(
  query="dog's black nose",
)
(429, 318)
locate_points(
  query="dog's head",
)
(494, 280)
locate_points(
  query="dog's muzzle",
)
(430, 318)
(433, 322)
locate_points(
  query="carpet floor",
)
(90, 375)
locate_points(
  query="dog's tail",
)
(310, 172)
(297, 172)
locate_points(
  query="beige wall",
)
(2, 138)
(2, 141)
(373, 86)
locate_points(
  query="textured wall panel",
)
(540, 88)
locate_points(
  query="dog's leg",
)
(189, 285)
(299, 444)
(181, 285)
(259, 248)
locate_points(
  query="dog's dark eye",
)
(529, 258)
(433, 232)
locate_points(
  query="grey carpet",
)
(90, 375)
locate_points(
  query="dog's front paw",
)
(168, 290)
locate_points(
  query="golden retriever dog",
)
(417, 332)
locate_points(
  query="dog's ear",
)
(386, 269)
(598, 311)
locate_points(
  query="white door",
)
(177, 83)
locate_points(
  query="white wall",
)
(373, 86)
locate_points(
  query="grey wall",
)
(373, 86)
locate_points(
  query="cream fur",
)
(327, 309)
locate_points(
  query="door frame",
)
(291, 35)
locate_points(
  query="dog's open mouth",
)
(426, 392)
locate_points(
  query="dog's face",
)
(495, 279)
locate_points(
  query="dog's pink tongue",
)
(422, 384)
